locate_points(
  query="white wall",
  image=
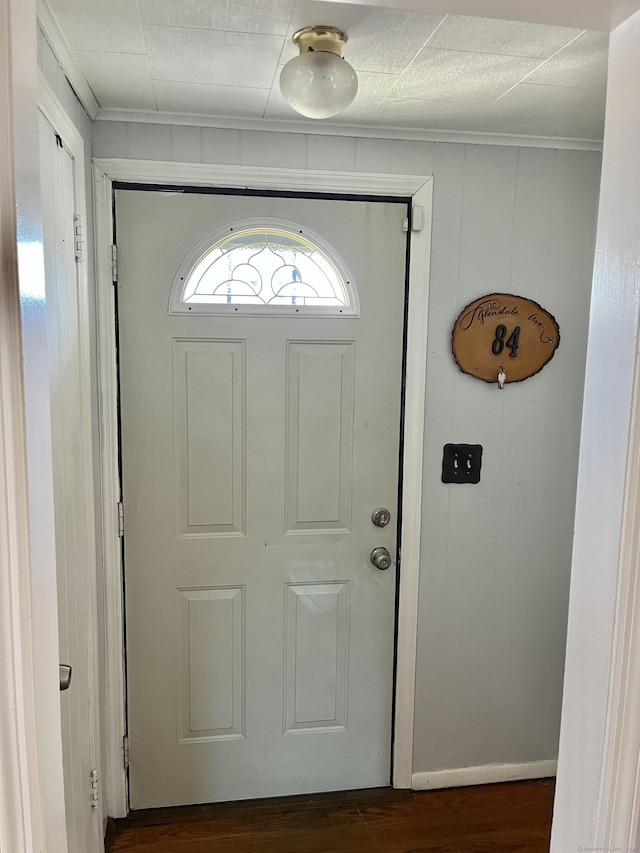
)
(258, 148)
(608, 408)
(496, 557)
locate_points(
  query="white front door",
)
(260, 637)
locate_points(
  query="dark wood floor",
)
(502, 818)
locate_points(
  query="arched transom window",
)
(264, 267)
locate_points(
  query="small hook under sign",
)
(502, 378)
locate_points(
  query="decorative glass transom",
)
(270, 266)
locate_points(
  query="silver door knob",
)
(380, 558)
(381, 517)
(65, 676)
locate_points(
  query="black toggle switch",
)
(461, 463)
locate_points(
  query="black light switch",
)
(461, 463)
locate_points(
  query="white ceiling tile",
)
(432, 115)
(112, 26)
(241, 17)
(210, 100)
(546, 111)
(372, 87)
(212, 57)
(384, 40)
(512, 38)
(118, 80)
(583, 64)
(446, 75)
(219, 57)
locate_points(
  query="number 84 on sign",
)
(504, 334)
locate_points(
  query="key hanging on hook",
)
(502, 378)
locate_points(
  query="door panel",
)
(209, 408)
(319, 436)
(259, 636)
(212, 634)
(316, 651)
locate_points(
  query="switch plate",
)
(461, 463)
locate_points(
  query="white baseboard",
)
(487, 773)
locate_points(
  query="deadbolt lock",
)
(381, 517)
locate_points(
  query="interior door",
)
(72, 473)
(260, 637)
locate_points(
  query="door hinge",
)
(114, 262)
(120, 519)
(405, 224)
(95, 789)
(78, 237)
(125, 751)
(417, 218)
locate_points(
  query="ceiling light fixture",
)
(319, 83)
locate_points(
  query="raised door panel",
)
(319, 436)
(210, 437)
(316, 656)
(211, 664)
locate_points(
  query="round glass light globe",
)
(318, 84)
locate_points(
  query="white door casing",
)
(68, 324)
(22, 778)
(259, 636)
(419, 189)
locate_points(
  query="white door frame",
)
(419, 189)
(77, 292)
(22, 810)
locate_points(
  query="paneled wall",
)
(495, 557)
(259, 148)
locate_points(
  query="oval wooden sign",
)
(502, 332)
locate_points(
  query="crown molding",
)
(58, 42)
(334, 129)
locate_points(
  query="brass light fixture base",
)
(320, 38)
